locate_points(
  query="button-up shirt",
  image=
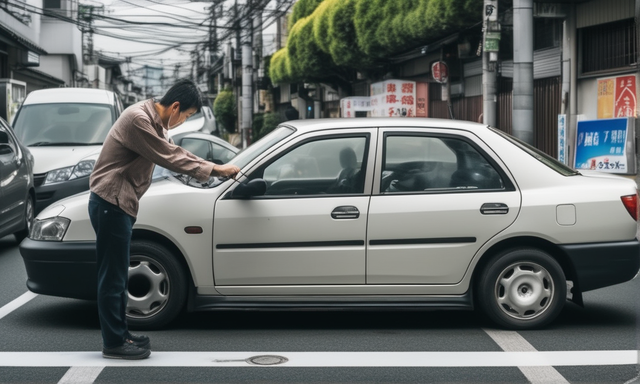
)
(137, 141)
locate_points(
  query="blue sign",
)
(601, 145)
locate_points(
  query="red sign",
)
(440, 71)
(625, 102)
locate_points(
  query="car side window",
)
(7, 144)
(430, 164)
(325, 166)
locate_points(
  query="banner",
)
(617, 97)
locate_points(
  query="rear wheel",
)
(157, 286)
(522, 289)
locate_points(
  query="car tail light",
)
(631, 203)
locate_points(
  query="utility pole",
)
(490, 48)
(523, 70)
(247, 75)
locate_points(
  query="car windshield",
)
(254, 150)
(63, 124)
(539, 155)
(241, 159)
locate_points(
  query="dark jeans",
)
(113, 229)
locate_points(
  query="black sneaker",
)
(127, 351)
(138, 340)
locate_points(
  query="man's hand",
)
(225, 170)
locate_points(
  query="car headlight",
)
(50, 229)
(82, 169)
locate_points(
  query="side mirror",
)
(255, 187)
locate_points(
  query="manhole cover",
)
(267, 360)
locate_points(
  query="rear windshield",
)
(63, 124)
(539, 155)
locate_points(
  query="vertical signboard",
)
(562, 138)
(606, 145)
(422, 99)
(617, 97)
(393, 98)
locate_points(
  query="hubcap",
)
(524, 290)
(149, 287)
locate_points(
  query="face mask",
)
(169, 126)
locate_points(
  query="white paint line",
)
(328, 359)
(511, 341)
(17, 303)
(81, 375)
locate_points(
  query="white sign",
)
(393, 98)
(562, 138)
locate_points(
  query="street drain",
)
(267, 360)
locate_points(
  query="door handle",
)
(345, 212)
(494, 209)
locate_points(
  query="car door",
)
(438, 197)
(310, 226)
(13, 183)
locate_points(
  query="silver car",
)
(376, 213)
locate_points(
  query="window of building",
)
(547, 33)
(52, 4)
(609, 46)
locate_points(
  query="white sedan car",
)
(365, 213)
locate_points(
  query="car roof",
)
(70, 95)
(400, 122)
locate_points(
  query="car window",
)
(64, 124)
(7, 143)
(539, 155)
(422, 163)
(324, 166)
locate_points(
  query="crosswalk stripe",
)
(81, 375)
(511, 341)
(329, 359)
(17, 303)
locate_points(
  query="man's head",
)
(185, 92)
(182, 100)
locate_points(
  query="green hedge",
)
(327, 37)
(226, 110)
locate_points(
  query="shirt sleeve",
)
(141, 137)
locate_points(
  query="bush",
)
(226, 110)
(271, 121)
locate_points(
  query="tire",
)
(522, 288)
(157, 286)
(29, 214)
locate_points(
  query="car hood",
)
(50, 158)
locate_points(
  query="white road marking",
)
(17, 303)
(81, 375)
(328, 359)
(511, 341)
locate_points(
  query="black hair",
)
(184, 91)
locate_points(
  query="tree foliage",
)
(329, 38)
(225, 110)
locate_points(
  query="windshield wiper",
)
(62, 144)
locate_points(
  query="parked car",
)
(371, 213)
(206, 146)
(17, 194)
(64, 128)
(201, 121)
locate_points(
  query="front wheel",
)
(522, 289)
(29, 214)
(157, 286)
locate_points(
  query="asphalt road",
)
(54, 340)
